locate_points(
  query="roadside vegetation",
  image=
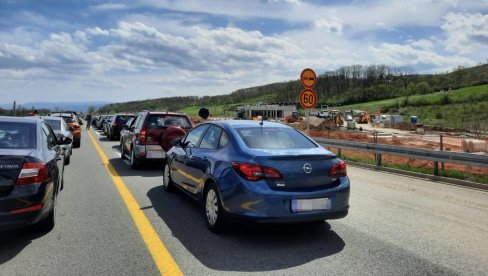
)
(465, 108)
(396, 90)
(429, 171)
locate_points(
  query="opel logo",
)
(307, 168)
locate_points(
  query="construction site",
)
(362, 126)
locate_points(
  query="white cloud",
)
(331, 25)
(155, 54)
(422, 44)
(466, 33)
(109, 7)
(417, 53)
(297, 2)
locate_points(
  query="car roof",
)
(57, 118)
(247, 123)
(29, 119)
(164, 112)
(61, 114)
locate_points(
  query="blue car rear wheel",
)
(168, 185)
(214, 213)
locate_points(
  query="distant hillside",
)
(346, 85)
(73, 106)
(465, 108)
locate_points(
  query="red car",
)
(149, 135)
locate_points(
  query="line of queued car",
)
(240, 171)
(34, 151)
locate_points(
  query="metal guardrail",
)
(479, 160)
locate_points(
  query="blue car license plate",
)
(315, 204)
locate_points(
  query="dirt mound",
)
(316, 124)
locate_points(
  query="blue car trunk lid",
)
(301, 172)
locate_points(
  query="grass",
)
(214, 109)
(224, 109)
(465, 95)
(445, 173)
(466, 108)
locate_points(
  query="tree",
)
(91, 109)
(422, 88)
(411, 89)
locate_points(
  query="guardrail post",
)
(436, 168)
(377, 157)
(339, 152)
(442, 148)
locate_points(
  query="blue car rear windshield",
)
(274, 138)
(17, 135)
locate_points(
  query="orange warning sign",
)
(308, 78)
(308, 98)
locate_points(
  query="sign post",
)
(308, 97)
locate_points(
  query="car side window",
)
(51, 140)
(64, 126)
(193, 137)
(138, 122)
(130, 123)
(211, 138)
(224, 140)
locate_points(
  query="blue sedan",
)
(260, 172)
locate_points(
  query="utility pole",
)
(13, 109)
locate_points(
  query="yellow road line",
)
(163, 259)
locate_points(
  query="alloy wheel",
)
(166, 176)
(212, 207)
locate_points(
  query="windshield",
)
(165, 120)
(122, 119)
(54, 124)
(69, 119)
(17, 135)
(274, 138)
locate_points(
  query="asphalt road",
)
(397, 225)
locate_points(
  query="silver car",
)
(61, 130)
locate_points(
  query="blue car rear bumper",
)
(256, 202)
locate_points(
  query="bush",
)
(445, 99)
(422, 88)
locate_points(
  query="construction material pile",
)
(317, 124)
(474, 145)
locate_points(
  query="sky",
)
(118, 51)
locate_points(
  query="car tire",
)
(133, 161)
(214, 213)
(122, 152)
(47, 224)
(168, 184)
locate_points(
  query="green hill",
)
(465, 108)
(393, 89)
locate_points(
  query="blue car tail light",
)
(338, 170)
(255, 172)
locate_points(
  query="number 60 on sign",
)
(308, 98)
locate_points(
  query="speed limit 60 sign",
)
(308, 98)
